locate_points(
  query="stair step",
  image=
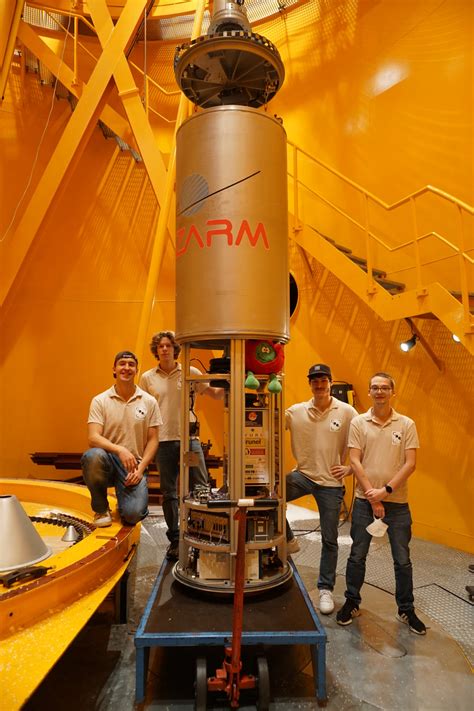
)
(394, 287)
(343, 249)
(340, 247)
(377, 273)
(458, 295)
(380, 276)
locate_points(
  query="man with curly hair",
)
(164, 382)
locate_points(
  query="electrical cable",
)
(196, 360)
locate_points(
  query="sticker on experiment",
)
(396, 437)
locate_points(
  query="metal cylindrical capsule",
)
(232, 226)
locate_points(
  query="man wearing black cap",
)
(123, 436)
(319, 429)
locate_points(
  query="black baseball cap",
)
(125, 354)
(319, 369)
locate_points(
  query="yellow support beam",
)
(159, 244)
(132, 103)
(10, 16)
(33, 41)
(70, 145)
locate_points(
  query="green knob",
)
(251, 381)
(274, 385)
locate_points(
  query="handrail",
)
(77, 42)
(175, 92)
(372, 238)
(378, 239)
(379, 201)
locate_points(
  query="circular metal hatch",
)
(230, 67)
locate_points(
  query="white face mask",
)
(377, 528)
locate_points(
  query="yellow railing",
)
(371, 238)
(147, 79)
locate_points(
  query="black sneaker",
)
(408, 617)
(172, 552)
(347, 612)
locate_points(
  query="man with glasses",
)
(319, 429)
(382, 448)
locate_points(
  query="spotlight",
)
(455, 338)
(408, 345)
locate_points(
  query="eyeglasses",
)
(382, 388)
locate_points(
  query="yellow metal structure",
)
(39, 619)
(159, 243)
(112, 63)
(423, 295)
(31, 39)
(10, 16)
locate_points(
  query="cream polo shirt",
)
(319, 439)
(383, 450)
(125, 422)
(166, 388)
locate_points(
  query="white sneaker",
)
(292, 546)
(102, 520)
(326, 603)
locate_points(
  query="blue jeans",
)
(167, 462)
(398, 519)
(102, 469)
(329, 500)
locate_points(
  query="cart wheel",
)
(200, 685)
(263, 677)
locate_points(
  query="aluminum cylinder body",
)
(232, 226)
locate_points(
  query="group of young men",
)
(381, 445)
(129, 424)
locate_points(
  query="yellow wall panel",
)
(382, 92)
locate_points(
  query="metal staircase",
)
(390, 299)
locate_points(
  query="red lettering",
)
(223, 228)
(253, 239)
(193, 232)
(226, 230)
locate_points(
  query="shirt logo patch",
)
(335, 425)
(140, 412)
(396, 437)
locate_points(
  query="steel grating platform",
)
(440, 574)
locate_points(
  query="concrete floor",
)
(375, 663)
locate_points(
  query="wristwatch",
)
(388, 488)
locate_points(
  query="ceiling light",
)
(408, 345)
(456, 338)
